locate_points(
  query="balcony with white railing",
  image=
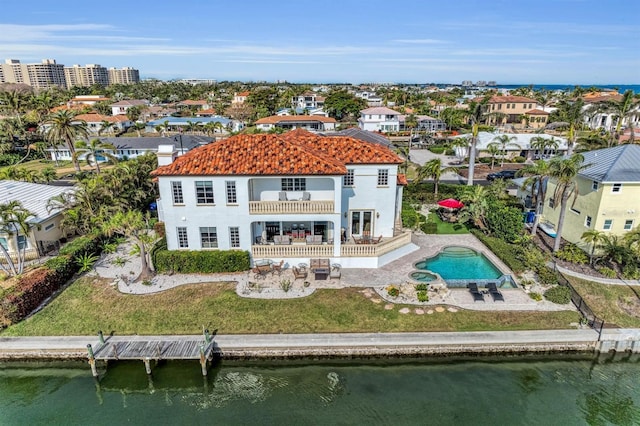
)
(299, 250)
(292, 207)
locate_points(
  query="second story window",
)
(383, 177)
(176, 191)
(294, 184)
(232, 197)
(204, 192)
(347, 180)
(616, 188)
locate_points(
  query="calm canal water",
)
(486, 391)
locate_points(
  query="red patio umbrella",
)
(450, 203)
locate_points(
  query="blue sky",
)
(509, 41)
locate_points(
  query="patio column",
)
(336, 238)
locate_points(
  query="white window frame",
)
(383, 177)
(234, 237)
(208, 237)
(206, 197)
(608, 224)
(630, 223)
(587, 221)
(348, 179)
(232, 193)
(182, 236)
(293, 184)
(176, 192)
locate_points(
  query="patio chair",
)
(278, 267)
(494, 292)
(335, 271)
(306, 196)
(260, 271)
(299, 273)
(282, 196)
(475, 292)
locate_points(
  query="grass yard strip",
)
(89, 305)
(446, 227)
(616, 304)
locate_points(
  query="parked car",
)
(504, 174)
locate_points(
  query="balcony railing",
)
(291, 207)
(326, 250)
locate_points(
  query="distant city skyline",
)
(574, 42)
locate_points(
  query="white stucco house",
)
(314, 123)
(520, 144)
(291, 197)
(45, 223)
(379, 119)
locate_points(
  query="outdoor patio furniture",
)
(276, 268)
(306, 196)
(282, 196)
(335, 271)
(261, 271)
(475, 292)
(494, 292)
(281, 239)
(320, 268)
(314, 239)
(299, 272)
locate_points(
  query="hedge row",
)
(508, 253)
(191, 262)
(36, 286)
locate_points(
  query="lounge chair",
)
(473, 289)
(299, 273)
(494, 292)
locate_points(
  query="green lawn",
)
(446, 227)
(616, 304)
(89, 305)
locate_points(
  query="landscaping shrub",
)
(572, 253)
(558, 294)
(421, 287)
(546, 276)
(87, 244)
(630, 272)
(30, 291)
(508, 253)
(519, 159)
(191, 262)
(422, 296)
(505, 222)
(449, 151)
(393, 291)
(535, 296)
(607, 272)
(437, 149)
(429, 228)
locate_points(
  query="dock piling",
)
(92, 361)
(147, 365)
(101, 337)
(203, 360)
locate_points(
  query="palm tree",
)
(93, 149)
(542, 144)
(537, 173)
(621, 110)
(572, 115)
(65, 127)
(14, 221)
(433, 169)
(594, 238)
(475, 114)
(564, 171)
(476, 206)
(504, 141)
(139, 127)
(106, 126)
(493, 150)
(193, 126)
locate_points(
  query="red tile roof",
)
(294, 153)
(96, 118)
(537, 112)
(402, 180)
(514, 99)
(192, 102)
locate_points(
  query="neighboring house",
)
(120, 123)
(363, 135)
(193, 105)
(307, 100)
(180, 124)
(46, 232)
(240, 98)
(536, 119)
(372, 99)
(608, 120)
(121, 107)
(302, 111)
(293, 196)
(425, 122)
(379, 119)
(86, 100)
(520, 145)
(509, 110)
(608, 196)
(315, 123)
(127, 148)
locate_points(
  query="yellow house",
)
(608, 195)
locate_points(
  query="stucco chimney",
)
(166, 154)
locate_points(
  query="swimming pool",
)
(459, 265)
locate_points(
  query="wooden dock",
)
(147, 349)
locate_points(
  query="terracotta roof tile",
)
(515, 99)
(288, 118)
(96, 118)
(537, 112)
(294, 153)
(402, 180)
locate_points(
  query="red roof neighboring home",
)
(274, 119)
(77, 107)
(402, 180)
(512, 99)
(294, 153)
(537, 112)
(191, 102)
(596, 98)
(204, 112)
(245, 94)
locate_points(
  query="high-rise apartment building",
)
(39, 76)
(86, 76)
(126, 75)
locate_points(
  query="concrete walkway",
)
(283, 344)
(610, 281)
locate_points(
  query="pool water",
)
(460, 263)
